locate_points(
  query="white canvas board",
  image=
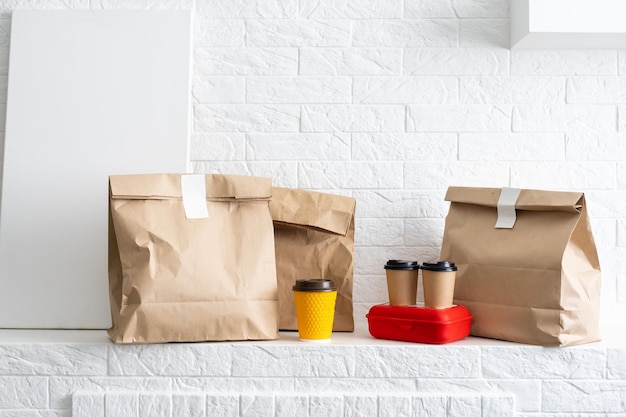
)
(90, 94)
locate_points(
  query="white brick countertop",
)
(359, 337)
(81, 373)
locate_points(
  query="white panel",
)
(91, 93)
(568, 24)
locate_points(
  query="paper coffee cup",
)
(402, 282)
(438, 280)
(315, 308)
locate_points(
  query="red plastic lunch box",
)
(419, 324)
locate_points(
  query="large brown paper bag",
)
(537, 282)
(314, 236)
(178, 276)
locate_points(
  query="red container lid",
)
(419, 324)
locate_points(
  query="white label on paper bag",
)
(194, 196)
(506, 208)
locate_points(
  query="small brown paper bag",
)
(191, 258)
(314, 236)
(535, 280)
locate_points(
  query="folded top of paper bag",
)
(147, 186)
(533, 200)
(328, 212)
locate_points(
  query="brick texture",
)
(388, 101)
(124, 404)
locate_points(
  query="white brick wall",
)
(389, 101)
(287, 377)
(199, 405)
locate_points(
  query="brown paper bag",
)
(179, 279)
(537, 282)
(314, 236)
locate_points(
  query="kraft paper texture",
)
(536, 283)
(174, 279)
(314, 237)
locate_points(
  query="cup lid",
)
(441, 266)
(401, 265)
(315, 285)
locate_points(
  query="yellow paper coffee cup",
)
(315, 308)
